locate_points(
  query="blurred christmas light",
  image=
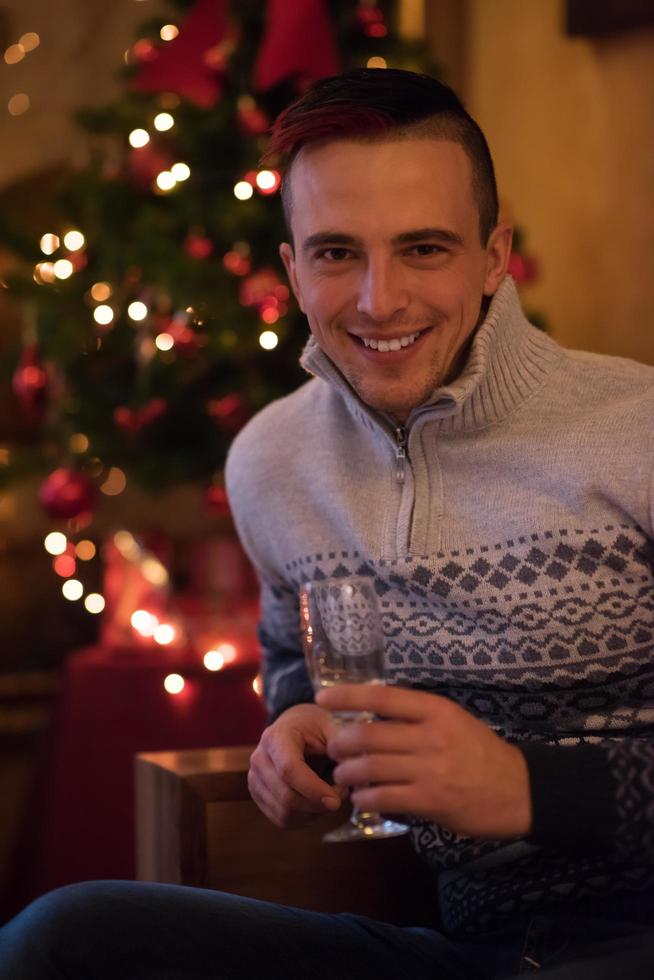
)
(127, 545)
(168, 32)
(138, 138)
(163, 121)
(165, 180)
(78, 443)
(268, 181)
(55, 543)
(85, 550)
(243, 191)
(72, 589)
(30, 41)
(268, 339)
(376, 62)
(257, 685)
(227, 651)
(270, 314)
(18, 104)
(154, 571)
(100, 291)
(180, 171)
(174, 683)
(94, 603)
(63, 268)
(103, 315)
(44, 272)
(49, 243)
(164, 634)
(144, 622)
(213, 660)
(164, 341)
(74, 240)
(64, 565)
(115, 482)
(137, 311)
(14, 54)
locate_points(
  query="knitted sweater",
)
(512, 552)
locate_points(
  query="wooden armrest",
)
(196, 825)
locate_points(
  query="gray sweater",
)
(512, 553)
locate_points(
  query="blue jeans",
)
(119, 930)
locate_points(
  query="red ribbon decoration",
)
(298, 44)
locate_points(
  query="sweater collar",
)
(508, 361)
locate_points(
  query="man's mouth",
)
(386, 344)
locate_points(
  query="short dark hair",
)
(378, 104)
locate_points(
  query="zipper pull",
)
(400, 454)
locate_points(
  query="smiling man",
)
(498, 492)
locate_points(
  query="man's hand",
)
(431, 758)
(281, 783)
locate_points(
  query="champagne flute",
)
(344, 644)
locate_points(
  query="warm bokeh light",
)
(270, 314)
(227, 651)
(137, 311)
(268, 339)
(127, 545)
(243, 191)
(94, 603)
(100, 291)
(257, 685)
(174, 683)
(63, 268)
(168, 32)
(164, 634)
(44, 272)
(14, 54)
(64, 565)
(49, 243)
(180, 171)
(114, 483)
(163, 121)
(268, 181)
(164, 341)
(74, 240)
(213, 660)
(139, 138)
(78, 443)
(154, 572)
(165, 181)
(18, 104)
(376, 62)
(55, 543)
(72, 589)
(85, 550)
(29, 41)
(103, 315)
(144, 622)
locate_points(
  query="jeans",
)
(120, 930)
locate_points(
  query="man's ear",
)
(288, 258)
(498, 253)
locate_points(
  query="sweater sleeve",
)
(597, 797)
(285, 676)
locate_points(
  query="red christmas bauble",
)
(255, 290)
(229, 413)
(198, 246)
(66, 493)
(216, 500)
(30, 380)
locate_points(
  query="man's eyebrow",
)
(338, 238)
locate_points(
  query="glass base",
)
(365, 826)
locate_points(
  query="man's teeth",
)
(395, 344)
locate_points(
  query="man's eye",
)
(333, 254)
(426, 250)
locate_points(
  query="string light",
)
(30, 41)
(144, 622)
(55, 543)
(100, 291)
(127, 545)
(74, 240)
(14, 54)
(257, 685)
(180, 171)
(268, 339)
(168, 32)
(154, 572)
(268, 181)
(72, 589)
(163, 121)
(270, 314)
(103, 315)
(174, 683)
(115, 482)
(78, 443)
(63, 268)
(164, 634)
(243, 190)
(165, 180)
(164, 341)
(49, 244)
(44, 273)
(227, 651)
(18, 104)
(94, 603)
(138, 138)
(376, 62)
(213, 660)
(64, 565)
(137, 311)
(85, 550)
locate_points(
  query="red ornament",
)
(237, 264)
(198, 246)
(298, 44)
(30, 381)
(523, 268)
(229, 413)
(216, 500)
(67, 493)
(134, 420)
(371, 19)
(257, 288)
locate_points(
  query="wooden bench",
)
(196, 825)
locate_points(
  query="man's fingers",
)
(377, 769)
(390, 702)
(376, 736)
(298, 776)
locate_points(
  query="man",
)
(498, 492)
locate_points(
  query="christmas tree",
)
(156, 318)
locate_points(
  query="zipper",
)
(400, 454)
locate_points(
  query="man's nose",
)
(382, 293)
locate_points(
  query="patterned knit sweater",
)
(514, 565)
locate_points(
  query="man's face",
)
(387, 256)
